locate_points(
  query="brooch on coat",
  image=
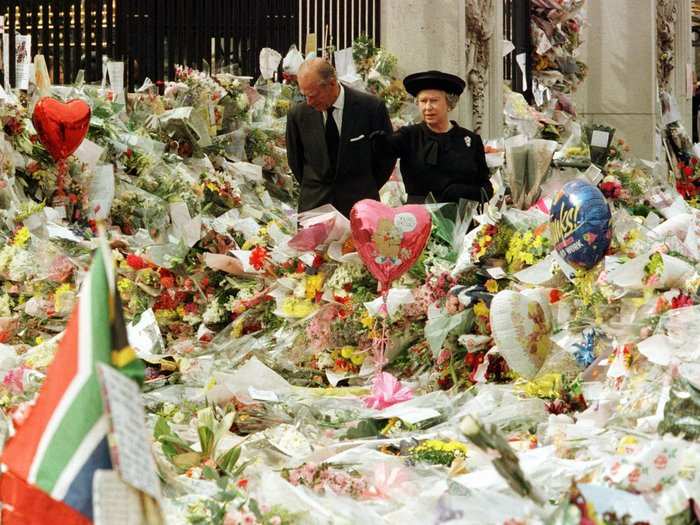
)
(468, 141)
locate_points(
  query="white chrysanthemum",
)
(345, 274)
(469, 426)
(214, 313)
(22, 266)
(242, 101)
(6, 255)
(325, 360)
(300, 290)
(5, 305)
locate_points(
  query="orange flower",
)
(258, 257)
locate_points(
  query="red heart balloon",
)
(389, 240)
(61, 126)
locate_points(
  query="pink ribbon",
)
(387, 391)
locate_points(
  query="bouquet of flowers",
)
(527, 249)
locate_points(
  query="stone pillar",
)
(493, 108)
(684, 64)
(620, 90)
(427, 35)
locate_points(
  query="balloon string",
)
(62, 169)
(380, 343)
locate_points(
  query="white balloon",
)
(521, 328)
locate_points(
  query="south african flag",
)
(50, 461)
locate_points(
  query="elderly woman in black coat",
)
(438, 156)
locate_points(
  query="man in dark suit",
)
(328, 145)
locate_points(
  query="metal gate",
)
(152, 36)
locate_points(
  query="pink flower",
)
(634, 476)
(307, 472)
(275, 520)
(387, 391)
(661, 461)
(14, 379)
(294, 477)
(444, 356)
(653, 280)
(386, 480)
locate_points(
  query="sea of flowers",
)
(258, 325)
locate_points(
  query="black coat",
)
(359, 174)
(451, 165)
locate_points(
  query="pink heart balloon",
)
(389, 240)
(61, 126)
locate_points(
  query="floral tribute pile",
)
(257, 325)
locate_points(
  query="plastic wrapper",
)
(133, 209)
(451, 223)
(516, 166)
(519, 116)
(673, 274)
(495, 153)
(575, 152)
(527, 166)
(292, 60)
(682, 411)
(525, 220)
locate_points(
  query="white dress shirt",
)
(337, 110)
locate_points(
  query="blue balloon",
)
(580, 224)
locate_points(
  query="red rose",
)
(318, 261)
(688, 171)
(694, 161)
(681, 301)
(555, 295)
(135, 262)
(167, 278)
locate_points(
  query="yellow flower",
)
(367, 320)
(481, 310)
(297, 308)
(62, 296)
(347, 351)
(21, 237)
(627, 445)
(548, 386)
(492, 286)
(38, 340)
(454, 447)
(237, 329)
(164, 316)
(357, 359)
(314, 284)
(211, 384)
